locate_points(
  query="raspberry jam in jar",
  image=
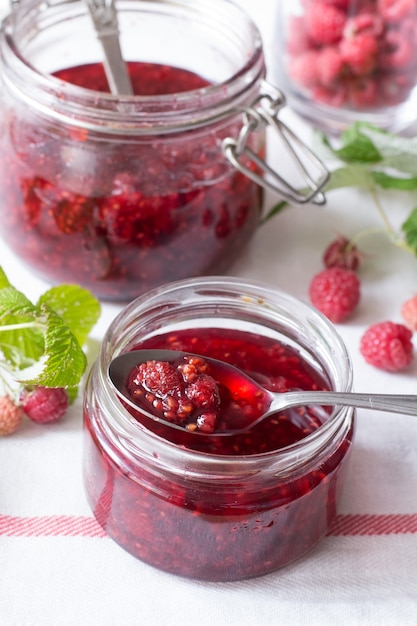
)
(341, 61)
(220, 508)
(121, 193)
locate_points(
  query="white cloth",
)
(58, 569)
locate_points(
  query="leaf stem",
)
(387, 224)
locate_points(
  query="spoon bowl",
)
(245, 388)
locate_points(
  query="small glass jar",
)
(202, 513)
(121, 193)
(343, 61)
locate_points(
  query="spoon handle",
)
(104, 17)
(391, 403)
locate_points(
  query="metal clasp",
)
(262, 113)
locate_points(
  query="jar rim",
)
(142, 114)
(259, 291)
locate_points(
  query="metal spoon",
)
(122, 365)
(104, 16)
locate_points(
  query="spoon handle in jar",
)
(391, 403)
(104, 16)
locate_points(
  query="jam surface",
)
(222, 529)
(120, 215)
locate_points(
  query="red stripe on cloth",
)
(350, 525)
(83, 526)
(50, 525)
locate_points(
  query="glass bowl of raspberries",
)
(214, 507)
(340, 61)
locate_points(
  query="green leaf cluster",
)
(375, 161)
(43, 342)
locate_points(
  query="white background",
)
(364, 580)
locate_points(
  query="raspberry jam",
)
(123, 193)
(120, 217)
(347, 61)
(222, 508)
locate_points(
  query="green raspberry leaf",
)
(275, 210)
(76, 306)
(394, 182)
(398, 153)
(63, 362)
(12, 300)
(21, 341)
(409, 229)
(356, 147)
(43, 342)
(372, 160)
(4, 281)
(350, 176)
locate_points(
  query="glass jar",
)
(237, 509)
(121, 193)
(342, 61)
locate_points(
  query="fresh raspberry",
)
(395, 87)
(360, 53)
(297, 40)
(362, 92)
(409, 313)
(10, 416)
(363, 23)
(333, 96)
(45, 405)
(396, 10)
(396, 51)
(304, 68)
(335, 292)
(387, 346)
(325, 23)
(329, 65)
(409, 27)
(342, 253)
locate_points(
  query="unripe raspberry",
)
(45, 405)
(409, 313)
(10, 416)
(342, 253)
